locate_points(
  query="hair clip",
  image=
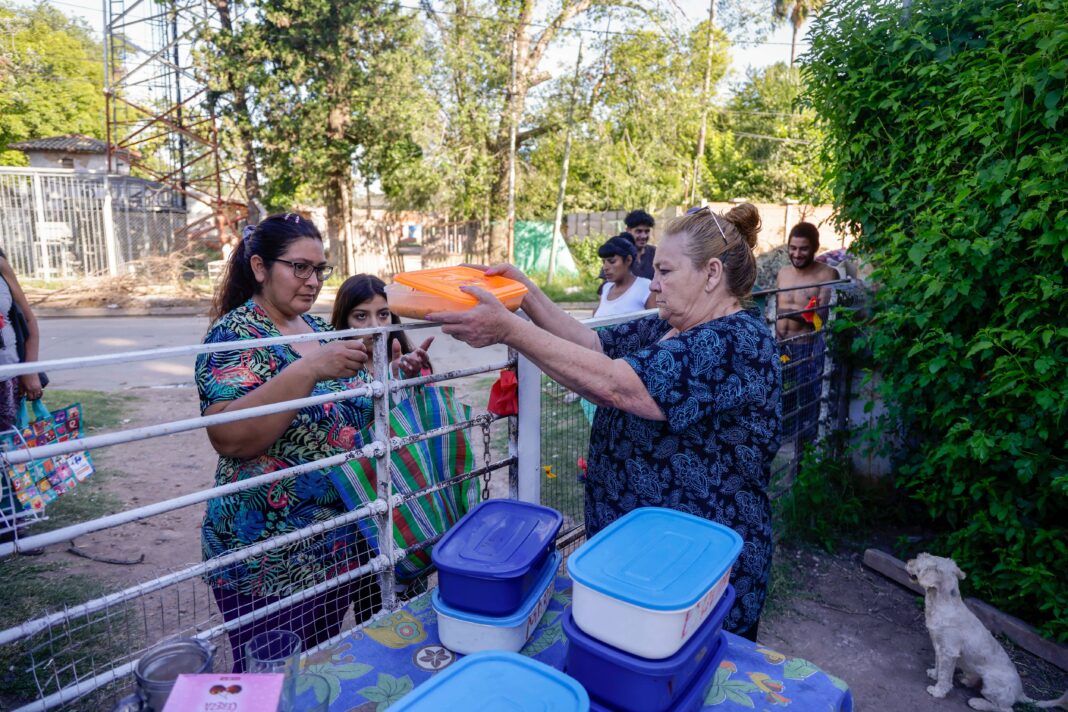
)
(296, 218)
(696, 210)
(721, 233)
(246, 234)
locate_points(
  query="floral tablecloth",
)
(374, 667)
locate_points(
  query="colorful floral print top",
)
(719, 385)
(235, 521)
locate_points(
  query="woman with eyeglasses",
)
(272, 279)
(689, 412)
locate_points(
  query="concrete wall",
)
(82, 161)
(776, 220)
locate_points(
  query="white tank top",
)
(631, 300)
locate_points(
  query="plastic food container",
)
(492, 558)
(416, 294)
(466, 633)
(646, 582)
(627, 682)
(496, 680)
(692, 698)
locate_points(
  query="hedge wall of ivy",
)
(948, 145)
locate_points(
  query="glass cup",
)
(276, 651)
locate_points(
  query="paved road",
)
(72, 338)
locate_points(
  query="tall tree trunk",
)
(244, 122)
(339, 218)
(793, 43)
(558, 216)
(339, 188)
(706, 88)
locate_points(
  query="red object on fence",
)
(504, 395)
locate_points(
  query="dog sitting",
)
(961, 640)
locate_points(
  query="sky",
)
(775, 48)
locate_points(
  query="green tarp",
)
(533, 241)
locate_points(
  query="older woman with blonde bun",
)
(689, 412)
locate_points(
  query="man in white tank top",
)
(623, 292)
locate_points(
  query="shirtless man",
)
(803, 270)
(802, 347)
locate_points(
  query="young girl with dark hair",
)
(361, 304)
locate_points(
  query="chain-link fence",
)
(54, 224)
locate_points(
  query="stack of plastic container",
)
(651, 593)
(496, 569)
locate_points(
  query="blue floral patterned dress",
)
(235, 521)
(719, 385)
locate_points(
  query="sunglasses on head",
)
(705, 209)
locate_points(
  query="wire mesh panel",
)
(340, 571)
(565, 444)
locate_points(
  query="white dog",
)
(961, 640)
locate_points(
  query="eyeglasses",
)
(303, 270)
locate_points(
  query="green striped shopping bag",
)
(415, 467)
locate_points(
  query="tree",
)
(947, 143)
(795, 12)
(333, 86)
(486, 76)
(225, 63)
(51, 78)
(634, 142)
(769, 143)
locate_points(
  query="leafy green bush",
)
(947, 141)
(584, 252)
(822, 505)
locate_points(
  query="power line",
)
(590, 30)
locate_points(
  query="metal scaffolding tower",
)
(159, 108)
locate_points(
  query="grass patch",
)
(32, 589)
(784, 582)
(568, 289)
(565, 437)
(101, 410)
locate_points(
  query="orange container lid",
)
(446, 282)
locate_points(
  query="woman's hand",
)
(485, 324)
(337, 359)
(30, 386)
(508, 271)
(410, 365)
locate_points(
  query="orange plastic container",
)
(416, 294)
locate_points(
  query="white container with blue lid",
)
(492, 558)
(496, 680)
(465, 632)
(646, 583)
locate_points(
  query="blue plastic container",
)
(627, 682)
(465, 633)
(492, 558)
(648, 581)
(494, 681)
(692, 698)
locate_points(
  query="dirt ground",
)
(869, 631)
(828, 609)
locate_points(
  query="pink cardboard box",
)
(226, 693)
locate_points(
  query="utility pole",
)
(705, 91)
(559, 219)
